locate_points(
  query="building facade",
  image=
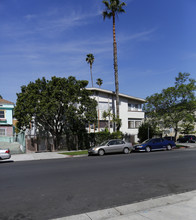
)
(131, 113)
(6, 118)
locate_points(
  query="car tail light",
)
(7, 151)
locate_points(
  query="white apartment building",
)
(131, 113)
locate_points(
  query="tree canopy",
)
(175, 106)
(99, 82)
(58, 106)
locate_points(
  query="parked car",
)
(111, 146)
(5, 154)
(169, 138)
(155, 144)
(187, 139)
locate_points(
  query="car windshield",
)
(146, 141)
(104, 143)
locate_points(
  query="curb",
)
(144, 209)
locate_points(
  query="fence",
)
(41, 143)
(15, 143)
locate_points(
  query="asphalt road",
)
(55, 188)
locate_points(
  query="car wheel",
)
(148, 149)
(126, 150)
(169, 147)
(101, 152)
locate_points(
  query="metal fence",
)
(15, 143)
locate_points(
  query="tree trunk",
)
(116, 70)
(91, 74)
(176, 132)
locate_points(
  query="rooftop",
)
(3, 101)
(120, 94)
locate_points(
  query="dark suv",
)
(187, 139)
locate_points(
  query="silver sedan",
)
(111, 146)
(5, 154)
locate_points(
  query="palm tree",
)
(113, 8)
(99, 82)
(90, 59)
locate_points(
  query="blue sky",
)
(156, 40)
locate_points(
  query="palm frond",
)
(107, 4)
(106, 14)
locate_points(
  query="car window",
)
(120, 142)
(112, 142)
(104, 143)
(156, 140)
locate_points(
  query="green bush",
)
(99, 137)
(146, 131)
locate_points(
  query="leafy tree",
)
(90, 59)
(1, 97)
(146, 131)
(175, 105)
(113, 8)
(108, 115)
(187, 126)
(99, 82)
(59, 106)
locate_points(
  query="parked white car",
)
(111, 146)
(5, 154)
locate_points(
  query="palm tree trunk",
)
(91, 74)
(116, 68)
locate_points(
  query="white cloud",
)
(139, 36)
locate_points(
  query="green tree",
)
(113, 8)
(112, 117)
(107, 115)
(1, 97)
(90, 59)
(58, 106)
(174, 105)
(146, 131)
(99, 82)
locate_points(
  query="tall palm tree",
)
(113, 8)
(99, 82)
(90, 59)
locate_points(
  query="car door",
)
(112, 145)
(119, 146)
(156, 144)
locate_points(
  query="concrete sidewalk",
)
(37, 156)
(173, 207)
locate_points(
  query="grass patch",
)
(73, 153)
(179, 146)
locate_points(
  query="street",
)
(62, 187)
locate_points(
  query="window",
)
(134, 123)
(105, 106)
(134, 107)
(2, 131)
(120, 142)
(2, 114)
(137, 124)
(112, 142)
(131, 124)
